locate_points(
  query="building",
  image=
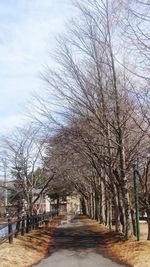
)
(67, 204)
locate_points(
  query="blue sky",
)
(27, 36)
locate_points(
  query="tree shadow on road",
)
(79, 238)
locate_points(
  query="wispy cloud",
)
(10, 122)
(27, 30)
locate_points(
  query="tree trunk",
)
(102, 204)
(84, 206)
(125, 192)
(110, 213)
(148, 221)
(116, 211)
(92, 206)
(96, 206)
(133, 222)
(107, 212)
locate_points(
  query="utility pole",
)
(136, 197)
(5, 183)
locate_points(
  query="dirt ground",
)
(31, 248)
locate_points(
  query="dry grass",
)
(131, 253)
(3, 220)
(29, 249)
(33, 247)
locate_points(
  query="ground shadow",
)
(81, 238)
(41, 237)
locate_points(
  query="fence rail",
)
(23, 225)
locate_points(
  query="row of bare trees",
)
(93, 124)
(102, 84)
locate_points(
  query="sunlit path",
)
(75, 245)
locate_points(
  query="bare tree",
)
(24, 156)
(103, 118)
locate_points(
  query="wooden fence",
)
(23, 225)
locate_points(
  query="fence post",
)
(33, 221)
(50, 216)
(36, 221)
(17, 226)
(10, 231)
(40, 220)
(23, 226)
(28, 224)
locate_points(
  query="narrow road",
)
(75, 245)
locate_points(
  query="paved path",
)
(76, 246)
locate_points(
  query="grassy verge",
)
(29, 249)
(131, 252)
(33, 247)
